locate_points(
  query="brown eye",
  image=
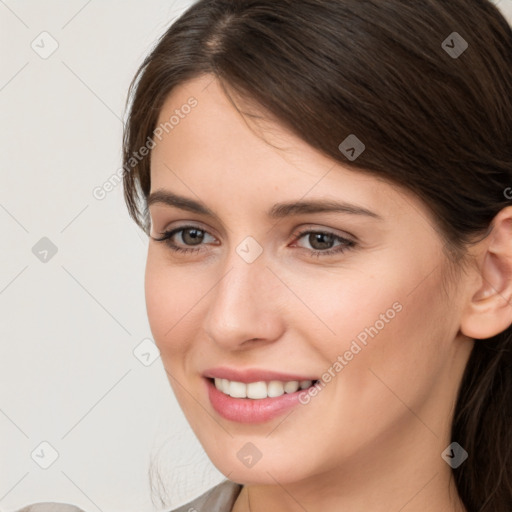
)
(322, 243)
(192, 236)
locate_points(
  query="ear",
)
(489, 310)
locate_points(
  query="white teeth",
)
(237, 389)
(291, 387)
(260, 389)
(275, 388)
(256, 390)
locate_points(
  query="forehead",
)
(213, 150)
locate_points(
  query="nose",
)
(246, 305)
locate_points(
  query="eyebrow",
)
(278, 211)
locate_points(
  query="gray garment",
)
(220, 498)
(50, 507)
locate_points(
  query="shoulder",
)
(220, 498)
(49, 507)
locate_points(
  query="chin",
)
(264, 471)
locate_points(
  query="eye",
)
(190, 235)
(322, 242)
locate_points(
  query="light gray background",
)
(69, 325)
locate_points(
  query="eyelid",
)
(169, 233)
(191, 224)
(322, 229)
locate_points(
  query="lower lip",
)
(248, 410)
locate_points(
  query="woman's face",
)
(278, 285)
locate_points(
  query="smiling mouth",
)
(261, 389)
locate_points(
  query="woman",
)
(326, 185)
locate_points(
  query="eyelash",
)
(345, 246)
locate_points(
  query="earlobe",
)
(489, 308)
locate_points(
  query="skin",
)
(372, 438)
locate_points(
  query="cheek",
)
(171, 296)
(381, 319)
(404, 336)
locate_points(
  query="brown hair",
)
(435, 121)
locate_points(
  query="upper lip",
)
(252, 375)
